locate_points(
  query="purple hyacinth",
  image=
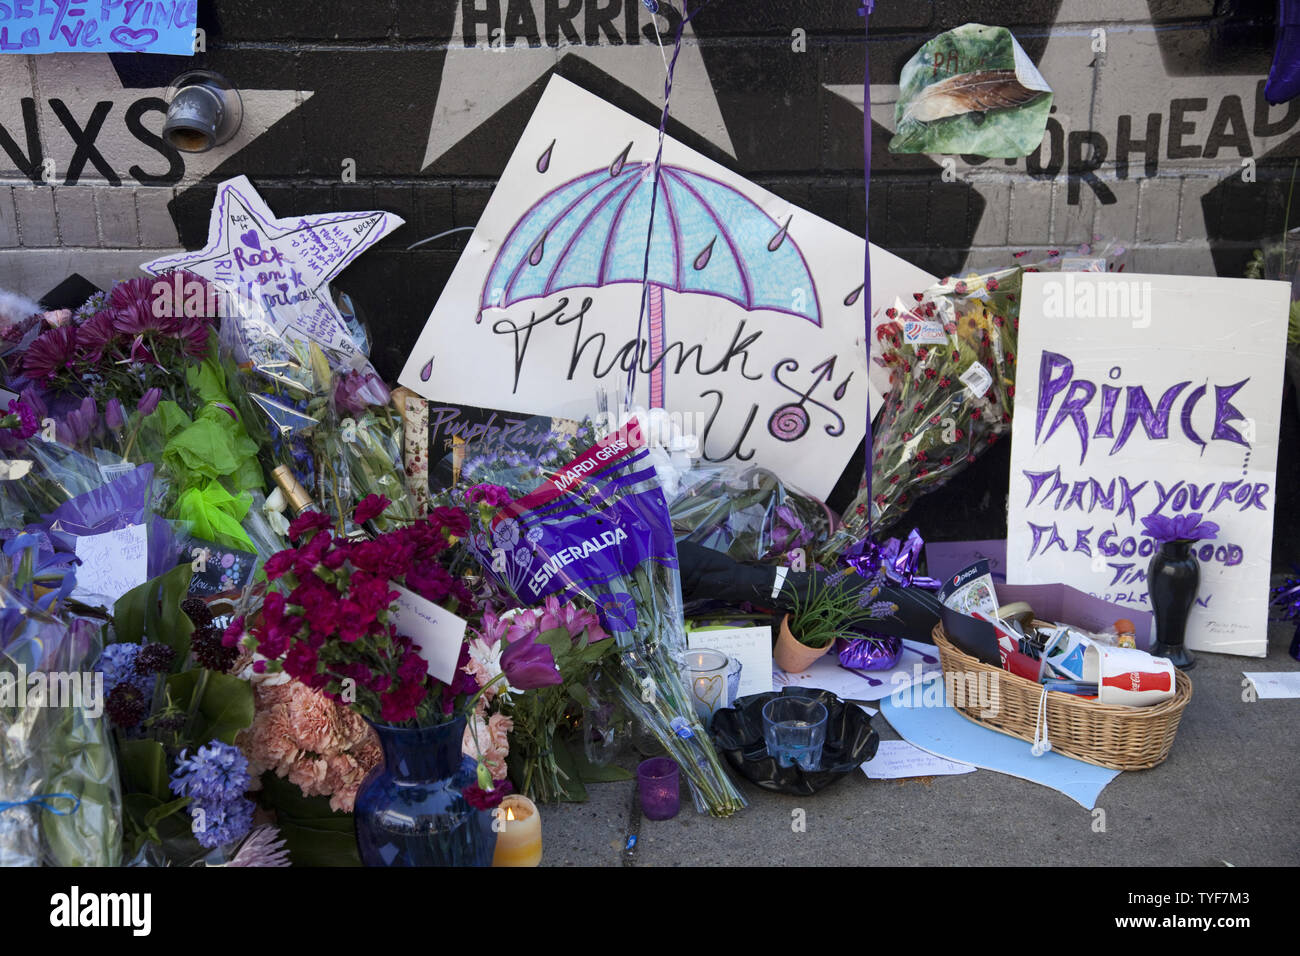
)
(215, 779)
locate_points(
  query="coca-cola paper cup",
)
(1125, 675)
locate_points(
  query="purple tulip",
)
(114, 415)
(149, 401)
(79, 424)
(529, 665)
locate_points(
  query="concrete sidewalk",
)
(1228, 794)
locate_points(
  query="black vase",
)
(1173, 578)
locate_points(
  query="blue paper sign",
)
(99, 26)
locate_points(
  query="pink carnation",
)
(492, 745)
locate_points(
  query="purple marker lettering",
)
(1154, 421)
(1225, 411)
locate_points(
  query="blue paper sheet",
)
(102, 26)
(944, 732)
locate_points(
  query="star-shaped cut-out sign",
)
(282, 265)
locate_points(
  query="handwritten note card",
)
(752, 646)
(98, 26)
(1143, 395)
(436, 632)
(112, 563)
(1274, 684)
(897, 759)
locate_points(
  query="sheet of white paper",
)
(897, 759)
(754, 322)
(112, 563)
(436, 631)
(1134, 398)
(827, 674)
(752, 646)
(1271, 685)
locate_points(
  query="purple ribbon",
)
(898, 559)
(864, 12)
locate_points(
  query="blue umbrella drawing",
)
(708, 239)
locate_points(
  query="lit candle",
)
(519, 833)
(708, 682)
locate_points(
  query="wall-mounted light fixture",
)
(203, 110)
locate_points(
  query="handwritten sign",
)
(112, 563)
(282, 266)
(1141, 395)
(98, 26)
(897, 760)
(752, 646)
(437, 632)
(752, 332)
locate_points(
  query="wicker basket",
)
(1108, 735)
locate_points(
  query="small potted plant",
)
(834, 605)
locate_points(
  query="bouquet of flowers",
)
(752, 516)
(556, 645)
(952, 360)
(598, 527)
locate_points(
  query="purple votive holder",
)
(658, 783)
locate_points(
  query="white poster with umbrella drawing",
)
(752, 333)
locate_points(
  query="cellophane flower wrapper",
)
(952, 357)
(598, 528)
(748, 514)
(46, 750)
(276, 391)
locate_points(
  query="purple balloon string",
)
(654, 194)
(865, 13)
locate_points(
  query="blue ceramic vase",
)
(410, 810)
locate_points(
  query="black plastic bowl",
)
(738, 732)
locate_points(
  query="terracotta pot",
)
(791, 656)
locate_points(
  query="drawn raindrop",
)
(775, 242)
(427, 371)
(544, 160)
(705, 255)
(617, 165)
(842, 389)
(537, 251)
(853, 296)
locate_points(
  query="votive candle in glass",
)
(708, 682)
(658, 782)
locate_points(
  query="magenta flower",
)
(131, 306)
(529, 665)
(94, 336)
(1188, 527)
(28, 423)
(356, 390)
(51, 353)
(492, 495)
(370, 507)
(481, 799)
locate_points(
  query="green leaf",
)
(144, 768)
(163, 810)
(574, 791)
(129, 613)
(226, 707)
(165, 621)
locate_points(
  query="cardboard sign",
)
(101, 26)
(752, 331)
(281, 266)
(1147, 395)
